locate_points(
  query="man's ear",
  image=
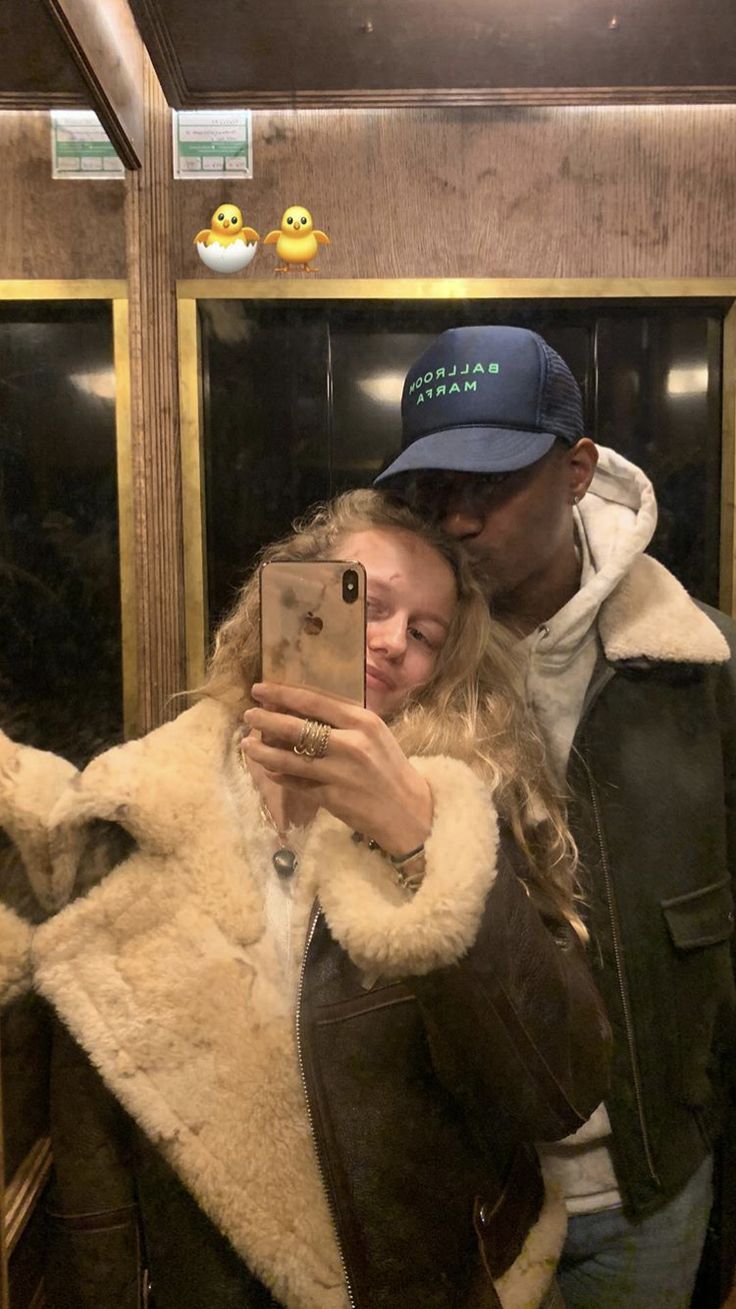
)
(581, 462)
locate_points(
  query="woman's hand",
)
(364, 777)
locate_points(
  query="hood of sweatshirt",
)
(626, 598)
(615, 523)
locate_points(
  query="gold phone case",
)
(312, 629)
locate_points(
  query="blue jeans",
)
(609, 1262)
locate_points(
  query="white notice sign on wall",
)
(80, 147)
(212, 143)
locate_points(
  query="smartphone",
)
(313, 625)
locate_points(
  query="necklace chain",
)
(285, 860)
(269, 820)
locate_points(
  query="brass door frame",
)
(116, 292)
(430, 289)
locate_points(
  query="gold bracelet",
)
(408, 882)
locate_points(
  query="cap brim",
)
(471, 450)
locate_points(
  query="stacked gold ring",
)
(313, 740)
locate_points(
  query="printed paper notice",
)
(80, 147)
(212, 143)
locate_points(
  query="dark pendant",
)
(285, 862)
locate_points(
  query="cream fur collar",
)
(651, 616)
(644, 612)
(164, 974)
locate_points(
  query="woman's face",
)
(411, 598)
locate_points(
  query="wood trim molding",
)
(155, 453)
(71, 288)
(194, 524)
(458, 288)
(424, 97)
(41, 100)
(106, 46)
(126, 516)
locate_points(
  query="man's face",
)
(513, 524)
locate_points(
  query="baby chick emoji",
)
(226, 246)
(297, 240)
(226, 226)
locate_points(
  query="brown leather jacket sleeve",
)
(518, 1023)
(94, 1256)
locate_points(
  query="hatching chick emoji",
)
(297, 240)
(226, 246)
(226, 226)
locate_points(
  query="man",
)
(633, 684)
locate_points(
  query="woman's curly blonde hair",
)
(473, 708)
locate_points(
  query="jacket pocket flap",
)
(701, 917)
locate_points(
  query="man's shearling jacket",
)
(653, 774)
(436, 1038)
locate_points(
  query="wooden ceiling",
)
(387, 52)
(85, 54)
(369, 52)
(36, 69)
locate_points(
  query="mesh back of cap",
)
(561, 407)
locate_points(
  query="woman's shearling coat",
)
(15, 955)
(165, 976)
(31, 783)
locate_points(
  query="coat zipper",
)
(622, 986)
(322, 1172)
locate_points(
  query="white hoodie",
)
(615, 522)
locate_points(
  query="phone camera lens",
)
(350, 586)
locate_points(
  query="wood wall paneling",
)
(54, 229)
(629, 191)
(569, 192)
(155, 418)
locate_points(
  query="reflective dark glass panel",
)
(60, 636)
(302, 400)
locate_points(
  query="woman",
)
(325, 1086)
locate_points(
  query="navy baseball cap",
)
(486, 400)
